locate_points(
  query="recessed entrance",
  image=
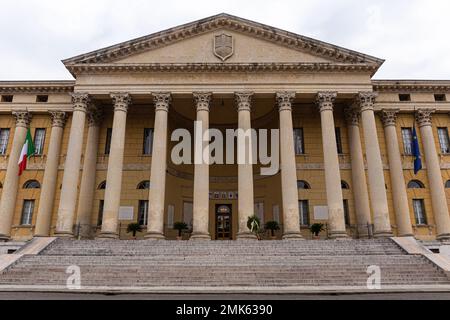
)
(223, 221)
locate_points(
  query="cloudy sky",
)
(412, 35)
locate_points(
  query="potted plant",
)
(316, 229)
(272, 226)
(134, 228)
(254, 225)
(180, 226)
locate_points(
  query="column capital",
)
(366, 100)
(162, 100)
(80, 101)
(352, 116)
(59, 118)
(23, 118)
(243, 100)
(284, 100)
(325, 100)
(121, 100)
(202, 100)
(424, 117)
(389, 117)
(95, 116)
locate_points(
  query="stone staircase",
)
(147, 264)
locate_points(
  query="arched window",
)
(303, 185)
(416, 184)
(32, 184)
(447, 184)
(144, 185)
(345, 185)
(102, 186)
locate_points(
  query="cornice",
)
(219, 67)
(411, 86)
(229, 22)
(14, 87)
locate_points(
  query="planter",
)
(179, 238)
(316, 237)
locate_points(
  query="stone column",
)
(201, 173)
(246, 205)
(400, 196)
(113, 190)
(87, 188)
(159, 166)
(438, 197)
(47, 199)
(11, 183)
(289, 191)
(377, 185)
(361, 194)
(69, 190)
(336, 217)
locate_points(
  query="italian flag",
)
(27, 152)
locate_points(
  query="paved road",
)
(77, 296)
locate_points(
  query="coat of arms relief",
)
(223, 46)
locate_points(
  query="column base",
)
(154, 236)
(4, 238)
(246, 236)
(338, 235)
(64, 234)
(200, 237)
(292, 236)
(383, 234)
(108, 236)
(441, 237)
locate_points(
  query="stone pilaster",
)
(245, 170)
(336, 217)
(67, 203)
(360, 191)
(289, 191)
(113, 190)
(438, 197)
(201, 172)
(47, 198)
(401, 206)
(11, 182)
(155, 230)
(377, 184)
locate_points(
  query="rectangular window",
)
(143, 212)
(7, 98)
(404, 97)
(440, 98)
(188, 213)
(39, 141)
(100, 213)
(42, 98)
(339, 141)
(4, 139)
(27, 213)
(346, 213)
(407, 141)
(148, 141)
(443, 140)
(276, 213)
(108, 140)
(259, 211)
(299, 144)
(419, 212)
(303, 206)
(170, 215)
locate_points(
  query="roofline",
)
(33, 86)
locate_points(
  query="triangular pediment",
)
(223, 39)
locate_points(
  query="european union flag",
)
(416, 152)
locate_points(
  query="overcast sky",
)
(412, 35)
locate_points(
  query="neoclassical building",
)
(103, 141)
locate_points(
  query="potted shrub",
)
(254, 225)
(180, 227)
(134, 228)
(272, 226)
(316, 229)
